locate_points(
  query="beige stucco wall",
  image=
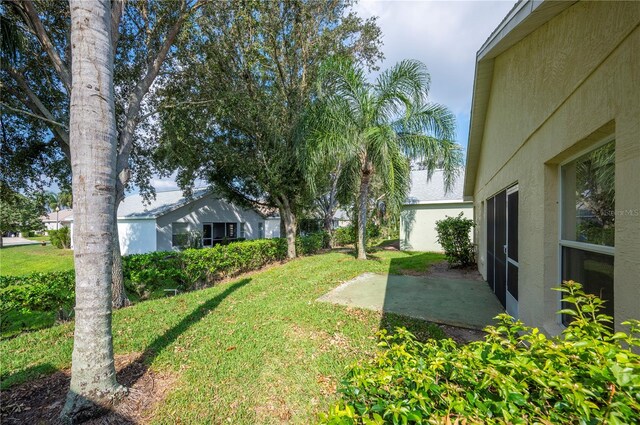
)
(557, 92)
(418, 224)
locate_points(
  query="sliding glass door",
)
(502, 247)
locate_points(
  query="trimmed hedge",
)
(144, 273)
(588, 375)
(38, 292)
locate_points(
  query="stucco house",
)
(167, 222)
(57, 219)
(553, 163)
(427, 203)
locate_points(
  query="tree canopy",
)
(232, 117)
(376, 129)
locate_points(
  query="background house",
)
(427, 203)
(553, 163)
(54, 220)
(172, 221)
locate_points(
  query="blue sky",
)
(445, 35)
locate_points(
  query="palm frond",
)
(400, 88)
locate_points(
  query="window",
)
(261, 230)
(587, 237)
(179, 234)
(243, 233)
(213, 233)
(232, 231)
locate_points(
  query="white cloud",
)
(443, 35)
(163, 184)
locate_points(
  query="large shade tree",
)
(232, 117)
(377, 129)
(36, 84)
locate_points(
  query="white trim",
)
(511, 304)
(444, 202)
(509, 260)
(600, 249)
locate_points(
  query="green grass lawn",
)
(44, 238)
(258, 349)
(25, 259)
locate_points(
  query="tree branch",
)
(125, 139)
(43, 37)
(37, 107)
(117, 10)
(39, 117)
(141, 89)
(175, 105)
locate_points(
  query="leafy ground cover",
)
(586, 375)
(25, 259)
(257, 349)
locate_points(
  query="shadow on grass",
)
(414, 263)
(421, 329)
(170, 336)
(28, 374)
(45, 397)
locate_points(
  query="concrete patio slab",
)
(463, 303)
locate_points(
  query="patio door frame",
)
(511, 251)
(502, 247)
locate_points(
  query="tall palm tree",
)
(59, 200)
(377, 129)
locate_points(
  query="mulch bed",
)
(40, 401)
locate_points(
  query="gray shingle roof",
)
(133, 206)
(424, 190)
(52, 217)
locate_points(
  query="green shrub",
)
(313, 243)
(144, 273)
(587, 375)
(38, 292)
(347, 235)
(344, 235)
(195, 268)
(453, 236)
(203, 267)
(61, 238)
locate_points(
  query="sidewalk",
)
(15, 241)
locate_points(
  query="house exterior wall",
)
(137, 236)
(272, 228)
(48, 225)
(418, 224)
(206, 210)
(556, 93)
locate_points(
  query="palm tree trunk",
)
(93, 140)
(362, 215)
